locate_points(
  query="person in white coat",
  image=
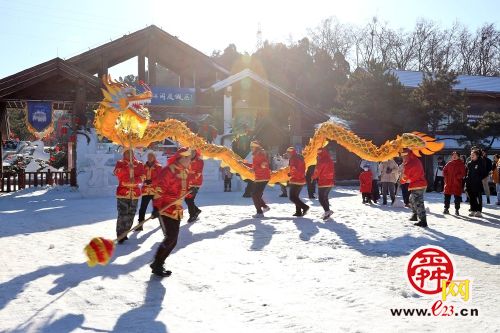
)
(389, 174)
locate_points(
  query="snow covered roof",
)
(486, 84)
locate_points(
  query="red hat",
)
(290, 149)
(181, 152)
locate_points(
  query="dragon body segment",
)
(122, 118)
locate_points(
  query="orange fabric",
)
(260, 166)
(170, 186)
(413, 172)
(297, 169)
(365, 182)
(324, 172)
(454, 173)
(128, 188)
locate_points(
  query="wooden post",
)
(103, 68)
(49, 178)
(141, 67)
(152, 59)
(22, 179)
(73, 178)
(8, 183)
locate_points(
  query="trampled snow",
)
(233, 273)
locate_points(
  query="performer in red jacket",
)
(195, 180)
(151, 170)
(130, 173)
(454, 173)
(413, 172)
(324, 173)
(297, 180)
(170, 188)
(365, 184)
(261, 168)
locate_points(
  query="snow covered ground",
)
(233, 273)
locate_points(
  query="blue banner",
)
(39, 115)
(173, 96)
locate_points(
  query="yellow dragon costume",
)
(123, 119)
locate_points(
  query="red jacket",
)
(297, 169)
(151, 172)
(170, 186)
(413, 172)
(365, 182)
(454, 173)
(260, 166)
(128, 188)
(325, 169)
(195, 176)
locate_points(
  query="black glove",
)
(147, 182)
(155, 214)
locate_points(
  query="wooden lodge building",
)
(73, 85)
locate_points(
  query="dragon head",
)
(123, 109)
(123, 97)
(420, 143)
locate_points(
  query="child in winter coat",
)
(227, 176)
(365, 185)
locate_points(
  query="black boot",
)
(414, 217)
(305, 210)
(122, 240)
(297, 213)
(422, 223)
(140, 228)
(157, 265)
(446, 211)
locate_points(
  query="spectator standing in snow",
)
(373, 166)
(476, 171)
(438, 174)
(365, 184)
(227, 176)
(454, 173)
(281, 162)
(488, 165)
(389, 174)
(496, 176)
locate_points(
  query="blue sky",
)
(36, 31)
